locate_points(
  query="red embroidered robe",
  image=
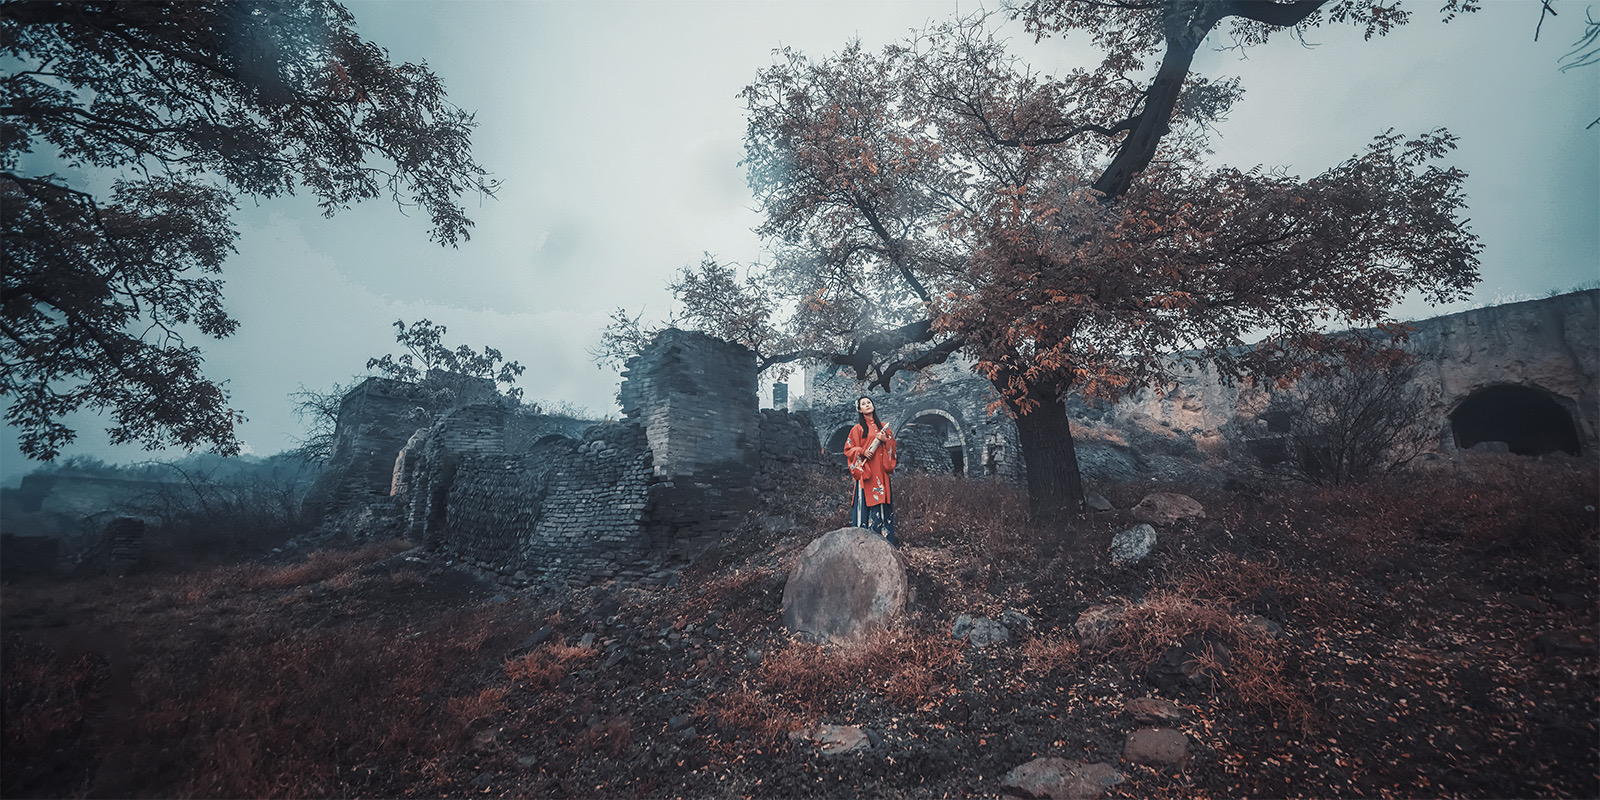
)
(873, 474)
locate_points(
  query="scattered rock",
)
(1060, 779)
(1569, 601)
(980, 631)
(1152, 709)
(753, 655)
(1157, 747)
(1491, 447)
(587, 640)
(1573, 642)
(1528, 603)
(1016, 620)
(1132, 545)
(500, 599)
(616, 657)
(1094, 501)
(536, 638)
(679, 722)
(833, 740)
(687, 734)
(1165, 508)
(528, 762)
(1096, 625)
(1188, 665)
(846, 583)
(1266, 626)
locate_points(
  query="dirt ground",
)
(1437, 640)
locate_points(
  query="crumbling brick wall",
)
(695, 397)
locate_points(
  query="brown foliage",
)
(547, 664)
(905, 666)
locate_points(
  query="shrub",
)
(1352, 422)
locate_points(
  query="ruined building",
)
(539, 499)
(550, 500)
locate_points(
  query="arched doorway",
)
(1528, 420)
(837, 440)
(933, 441)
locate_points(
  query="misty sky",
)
(616, 130)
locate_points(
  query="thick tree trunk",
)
(1045, 434)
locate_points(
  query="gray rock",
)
(845, 584)
(1157, 747)
(679, 722)
(1060, 779)
(1094, 501)
(1133, 545)
(1491, 447)
(1016, 620)
(1266, 626)
(833, 740)
(587, 640)
(1166, 508)
(961, 627)
(536, 638)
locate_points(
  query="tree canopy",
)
(170, 111)
(1069, 234)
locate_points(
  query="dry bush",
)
(750, 710)
(820, 679)
(1230, 579)
(475, 706)
(547, 664)
(1253, 669)
(991, 514)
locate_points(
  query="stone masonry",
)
(544, 500)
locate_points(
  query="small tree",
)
(1355, 420)
(426, 352)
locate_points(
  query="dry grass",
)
(991, 515)
(907, 667)
(245, 703)
(750, 710)
(1051, 655)
(547, 664)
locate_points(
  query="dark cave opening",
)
(1529, 421)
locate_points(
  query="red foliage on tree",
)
(1067, 234)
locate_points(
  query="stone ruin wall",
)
(538, 500)
(1551, 346)
(551, 501)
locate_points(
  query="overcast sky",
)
(616, 131)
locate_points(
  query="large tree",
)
(1068, 234)
(127, 131)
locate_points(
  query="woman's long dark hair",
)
(862, 418)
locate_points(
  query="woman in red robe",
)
(870, 453)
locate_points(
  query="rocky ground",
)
(1427, 636)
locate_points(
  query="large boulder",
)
(847, 583)
(1165, 508)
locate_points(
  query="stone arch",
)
(958, 453)
(837, 440)
(1529, 419)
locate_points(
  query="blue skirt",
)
(878, 518)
